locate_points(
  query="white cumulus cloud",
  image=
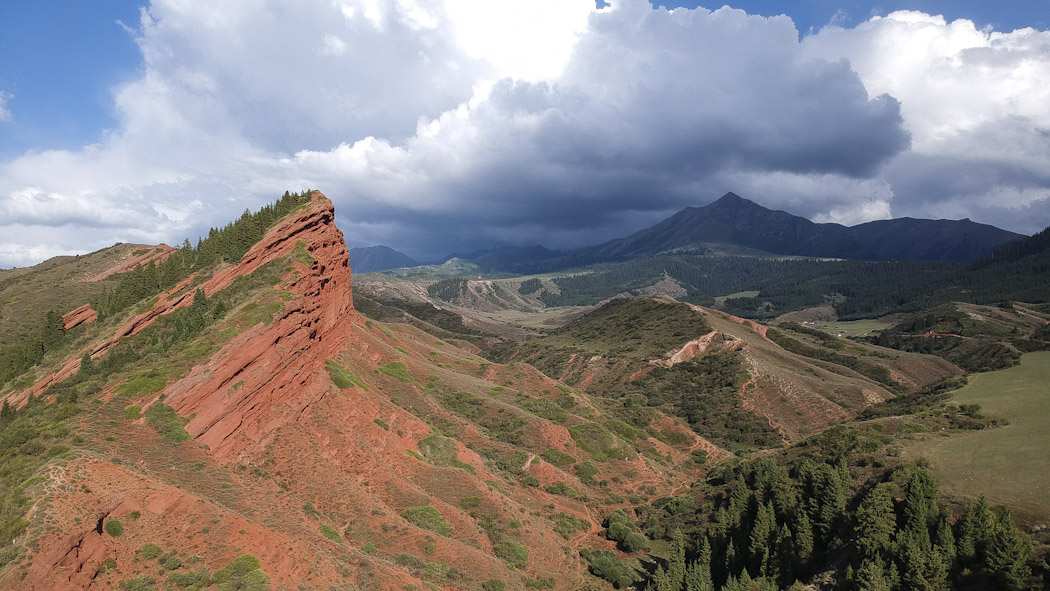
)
(976, 103)
(441, 125)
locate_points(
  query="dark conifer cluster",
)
(226, 244)
(776, 527)
(28, 350)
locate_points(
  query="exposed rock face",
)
(284, 364)
(330, 273)
(131, 260)
(716, 339)
(82, 315)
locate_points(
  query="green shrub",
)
(398, 371)
(381, 423)
(464, 404)
(559, 488)
(331, 534)
(341, 377)
(600, 443)
(143, 583)
(170, 561)
(409, 561)
(193, 581)
(494, 585)
(441, 451)
(470, 502)
(428, 518)
(114, 527)
(568, 525)
(586, 472)
(606, 565)
(441, 572)
(513, 553)
(625, 431)
(149, 551)
(547, 409)
(369, 548)
(133, 412)
(558, 458)
(539, 583)
(620, 528)
(242, 574)
(162, 418)
(144, 382)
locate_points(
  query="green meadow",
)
(1010, 464)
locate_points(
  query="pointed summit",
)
(730, 198)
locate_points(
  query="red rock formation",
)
(130, 260)
(313, 225)
(83, 315)
(284, 364)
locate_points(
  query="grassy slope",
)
(1009, 464)
(60, 283)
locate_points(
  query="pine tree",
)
(785, 555)
(761, 534)
(944, 540)
(913, 557)
(662, 581)
(803, 539)
(871, 576)
(920, 507)
(936, 571)
(875, 521)
(52, 333)
(831, 502)
(1008, 551)
(967, 538)
(676, 560)
(87, 365)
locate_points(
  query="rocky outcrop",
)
(714, 340)
(83, 315)
(283, 365)
(314, 226)
(130, 260)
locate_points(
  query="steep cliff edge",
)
(284, 363)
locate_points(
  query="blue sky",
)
(61, 60)
(450, 125)
(63, 57)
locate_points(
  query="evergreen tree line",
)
(164, 335)
(29, 348)
(774, 529)
(226, 244)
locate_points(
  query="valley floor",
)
(1011, 464)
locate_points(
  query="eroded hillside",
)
(250, 410)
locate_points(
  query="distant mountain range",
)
(371, 259)
(733, 223)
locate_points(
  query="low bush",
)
(428, 518)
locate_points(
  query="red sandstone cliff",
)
(284, 364)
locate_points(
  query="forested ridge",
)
(21, 352)
(837, 512)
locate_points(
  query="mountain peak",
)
(731, 198)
